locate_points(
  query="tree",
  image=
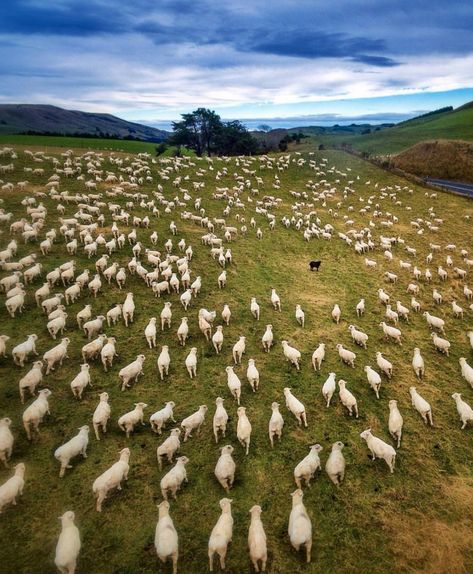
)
(234, 139)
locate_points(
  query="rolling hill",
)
(44, 119)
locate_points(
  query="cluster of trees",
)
(205, 133)
(290, 138)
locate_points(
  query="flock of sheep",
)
(104, 222)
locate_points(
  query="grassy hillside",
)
(415, 520)
(77, 143)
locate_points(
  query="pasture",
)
(417, 519)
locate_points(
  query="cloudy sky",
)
(151, 60)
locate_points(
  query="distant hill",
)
(44, 120)
(442, 159)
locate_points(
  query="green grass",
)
(417, 520)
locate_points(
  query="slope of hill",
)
(42, 119)
(443, 159)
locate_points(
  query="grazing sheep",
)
(335, 465)
(318, 356)
(68, 545)
(222, 279)
(84, 315)
(226, 314)
(233, 383)
(467, 371)
(385, 366)
(464, 410)
(217, 339)
(94, 327)
(275, 300)
(128, 421)
(434, 322)
(183, 331)
(374, 379)
(161, 417)
(418, 364)
(267, 339)
(336, 313)
(112, 478)
(292, 354)
(3, 345)
(131, 372)
(169, 447)
(308, 466)
(255, 308)
(379, 449)
(440, 344)
(421, 406)
(13, 487)
(108, 353)
(114, 314)
(101, 415)
(173, 480)
(75, 446)
(395, 422)
(360, 308)
(347, 398)
(257, 540)
(295, 406)
(80, 381)
(238, 350)
(166, 315)
(221, 534)
(225, 468)
(391, 332)
(329, 388)
(300, 316)
(35, 413)
(243, 429)
(358, 336)
(21, 352)
(150, 333)
(90, 351)
(220, 419)
(194, 422)
(300, 525)
(166, 541)
(6, 441)
(31, 380)
(252, 375)
(346, 355)
(276, 423)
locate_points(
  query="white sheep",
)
(347, 399)
(329, 387)
(226, 314)
(35, 413)
(358, 336)
(300, 525)
(164, 361)
(68, 545)
(75, 446)
(56, 355)
(90, 351)
(150, 333)
(464, 410)
(114, 314)
(166, 315)
(308, 466)
(108, 353)
(238, 350)
(84, 315)
(193, 422)
(13, 487)
(217, 339)
(275, 300)
(421, 406)
(318, 356)
(128, 309)
(6, 441)
(276, 423)
(292, 354)
(252, 374)
(31, 380)
(21, 352)
(3, 345)
(335, 465)
(112, 478)
(131, 372)
(395, 422)
(233, 383)
(257, 539)
(385, 366)
(336, 313)
(347, 356)
(434, 322)
(440, 344)
(360, 308)
(183, 331)
(267, 338)
(101, 415)
(255, 308)
(418, 363)
(169, 447)
(220, 419)
(221, 534)
(222, 279)
(391, 332)
(80, 381)
(166, 541)
(243, 429)
(300, 316)
(225, 468)
(379, 449)
(467, 371)
(128, 421)
(94, 327)
(161, 417)
(295, 406)
(173, 480)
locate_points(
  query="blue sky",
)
(151, 60)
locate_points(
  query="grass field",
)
(417, 520)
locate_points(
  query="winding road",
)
(457, 187)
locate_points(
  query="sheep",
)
(111, 478)
(222, 279)
(35, 413)
(164, 360)
(379, 449)
(300, 525)
(347, 399)
(418, 364)
(267, 338)
(174, 478)
(391, 332)
(402, 311)
(6, 441)
(193, 422)
(72, 293)
(150, 333)
(101, 415)
(84, 315)
(374, 379)
(385, 366)
(255, 308)
(166, 541)
(191, 362)
(183, 331)
(292, 354)
(108, 353)
(221, 534)
(95, 285)
(329, 388)
(50, 304)
(470, 336)
(13, 487)
(166, 315)
(308, 466)
(346, 355)
(243, 429)
(276, 423)
(75, 446)
(233, 383)
(464, 410)
(391, 315)
(257, 539)
(41, 293)
(466, 370)
(169, 447)
(21, 352)
(90, 351)
(295, 406)
(94, 327)
(68, 545)
(357, 336)
(434, 322)
(300, 316)
(252, 375)
(31, 380)
(128, 421)
(318, 356)
(226, 314)
(113, 315)
(81, 380)
(335, 465)
(440, 344)
(161, 417)
(360, 308)
(336, 313)
(217, 339)
(131, 372)
(161, 287)
(238, 350)
(395, 422)
(457, 310)
(421, 406)
(275, 300)
(415, 305)
(15, 303)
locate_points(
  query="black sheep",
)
(315, 265)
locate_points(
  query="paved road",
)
(461, 188)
